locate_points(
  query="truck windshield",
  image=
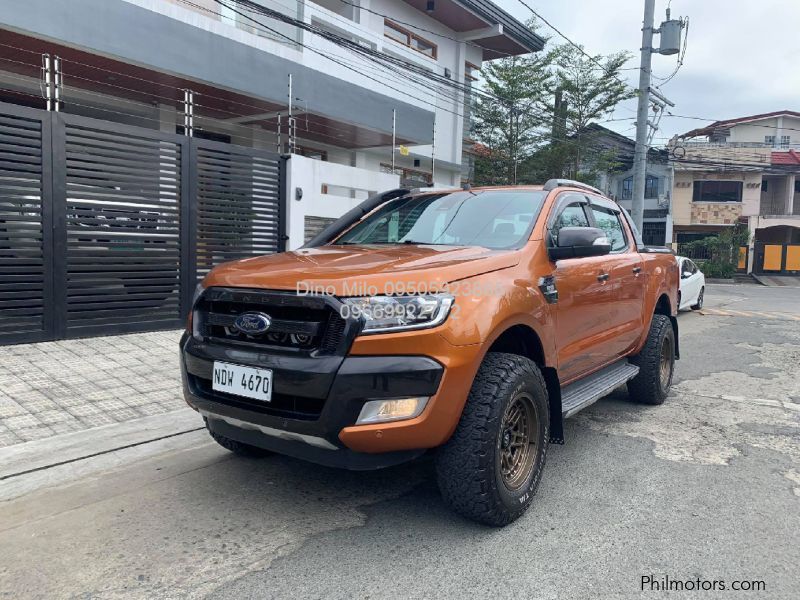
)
(495, 219)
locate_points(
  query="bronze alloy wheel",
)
(666, 363)
(518, 441)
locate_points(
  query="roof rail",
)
(552, 184)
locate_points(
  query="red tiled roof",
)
(728, 122)
(786, 158)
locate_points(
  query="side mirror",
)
(577, 242)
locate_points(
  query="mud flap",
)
(674, 321)
(554, 401)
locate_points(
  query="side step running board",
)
(587, 391)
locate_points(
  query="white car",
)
(692, 284)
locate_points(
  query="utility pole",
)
(640, 154)
(670, 44)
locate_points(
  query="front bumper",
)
(315, 400)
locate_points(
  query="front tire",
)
(699, 304)
(656, 364)
(490, 468)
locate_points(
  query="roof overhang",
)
(484, 23)
(718, 125)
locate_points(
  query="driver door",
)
(585, 296)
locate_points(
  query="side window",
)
(571, 215)
(608, 221)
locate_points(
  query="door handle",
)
(603, 277)
(637, 270)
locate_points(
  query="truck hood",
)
(350, 270)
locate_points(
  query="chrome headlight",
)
(398, 313)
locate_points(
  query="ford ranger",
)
(466, 323)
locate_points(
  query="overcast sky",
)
(743, 56)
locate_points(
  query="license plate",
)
(239, 380)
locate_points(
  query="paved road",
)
(706, 486)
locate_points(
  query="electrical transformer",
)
(670, 37)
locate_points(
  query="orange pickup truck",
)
(467, 323)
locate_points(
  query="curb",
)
(39, 455)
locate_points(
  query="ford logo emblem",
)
(252, 323)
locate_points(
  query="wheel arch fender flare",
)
(546, 362)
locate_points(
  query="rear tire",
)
(699, 304)
(656, 364)
(490, 468)
(239, 448)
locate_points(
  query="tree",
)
(522, 138)
(511, 116)
(590, 93)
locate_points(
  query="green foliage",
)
(511, 128)
(519, 130)
(716, 270)
(723, 250)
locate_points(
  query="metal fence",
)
(105, 228)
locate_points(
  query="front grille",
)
(281, 405)
(298, 323)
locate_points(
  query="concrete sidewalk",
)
(777, 280)
(55, 388)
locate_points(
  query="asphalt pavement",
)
(703, 489)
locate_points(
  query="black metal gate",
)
(106, 228)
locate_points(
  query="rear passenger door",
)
(624, 319)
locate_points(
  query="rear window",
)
(495, 219)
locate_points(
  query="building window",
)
(765, 186)
(717, 191)
(650, 187)
(395, 32)
(411, 177)
(627, 188)
(311, 153)
(470, 76)
(471, 72)
(654, 233)
(785, 141)
(769, 140)
(797, 186)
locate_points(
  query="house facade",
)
(284, 81)
(617, 182)
(742, 171)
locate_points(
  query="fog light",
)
(381, 411)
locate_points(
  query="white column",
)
(752, 225)
(790, 179)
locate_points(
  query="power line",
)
(573, 44)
